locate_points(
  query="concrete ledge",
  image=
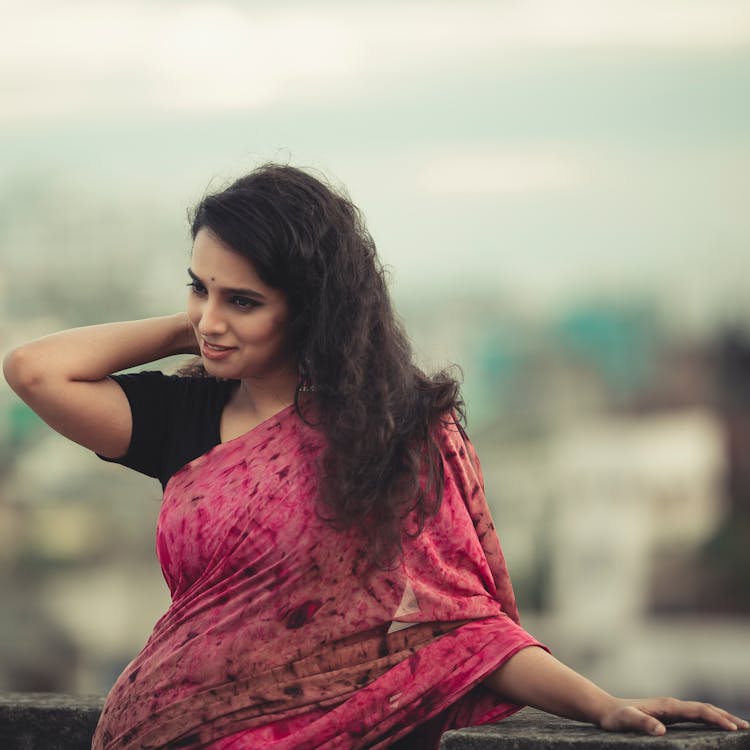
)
(47, 721)
(530, 729)
(44, 721)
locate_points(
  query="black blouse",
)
(175, 419)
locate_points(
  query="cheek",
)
(281, 330)
(272, 332)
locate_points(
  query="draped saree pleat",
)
(281, 635)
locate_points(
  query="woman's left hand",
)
(533, 677)
(650, 715)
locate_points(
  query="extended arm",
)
(535, 678)
(63, 377)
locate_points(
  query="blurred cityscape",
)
(616, 455)
(616, 458)
(561, 192)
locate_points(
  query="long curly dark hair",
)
(375, 407)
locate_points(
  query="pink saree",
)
(279, 637)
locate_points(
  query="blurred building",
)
(614, 487)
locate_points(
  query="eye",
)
(244, 303)
(196, 287)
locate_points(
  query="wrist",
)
(185, 341)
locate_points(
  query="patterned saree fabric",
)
(281, 636)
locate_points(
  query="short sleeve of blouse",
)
(175, 419)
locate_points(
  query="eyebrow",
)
(239, 292)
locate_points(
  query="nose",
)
(211, 321)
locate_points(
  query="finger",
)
(672, 710)
(724, 719)
(632, 718)
(729, 721)
(709, 714)
(656, 728)
(650, 725)
(739, 721)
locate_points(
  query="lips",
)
(215, 351)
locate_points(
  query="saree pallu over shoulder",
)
(279, 634)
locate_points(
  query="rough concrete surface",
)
(46, 721)
(530, 729)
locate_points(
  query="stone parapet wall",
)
(47, 721)
(43, 721)
(535, 730)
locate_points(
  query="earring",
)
(304, 385)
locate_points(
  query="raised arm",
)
(64, 377)
(535, 678)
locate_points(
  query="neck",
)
(266, 396)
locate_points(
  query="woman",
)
(336, 580)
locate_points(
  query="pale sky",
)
(539, 148)
(89, 57)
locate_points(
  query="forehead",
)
(214, 262)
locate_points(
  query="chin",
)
(217, 370)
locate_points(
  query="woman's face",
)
(239, 321)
